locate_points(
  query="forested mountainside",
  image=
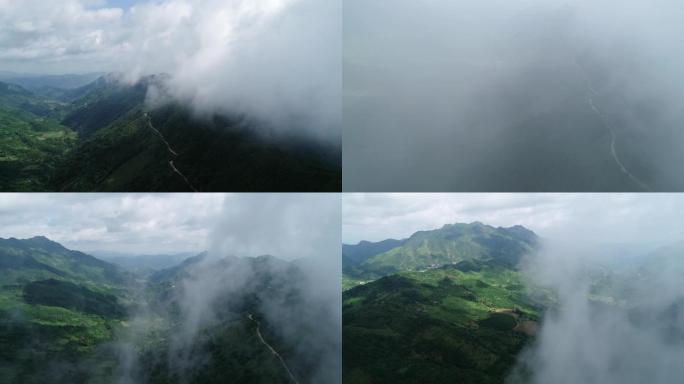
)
(103, 136)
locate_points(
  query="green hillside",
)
(57, 307)
(31, 139)
(103, 136)
(443, 325)
(450, 244)
(66, 316)
(214, 155)
(443, 306)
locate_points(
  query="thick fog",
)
(276, 61)
(523, 95)
(618, 314)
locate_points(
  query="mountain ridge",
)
(449, 244)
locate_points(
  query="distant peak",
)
(471, 224)
(43, 240)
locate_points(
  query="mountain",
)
(444, 325)
(31, 139)
(57, 306)
(66, 316)
(61, 82)
(445, 305)
(248, 310)
(451, 244)
(143, 263)
(126, 147)
(105, 136)
(38, 258)
(17, 97)
(357, 254)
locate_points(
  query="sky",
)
(600, 218)
(282, 225)
(278, 61)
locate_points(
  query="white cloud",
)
(133, 223)
(287, 226)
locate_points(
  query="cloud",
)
(133, 223)
(288, 226)
(619, 321)
(278, 61)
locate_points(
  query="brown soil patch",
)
(528, 327)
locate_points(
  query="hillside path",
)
(609, 128)
(273, 351)
(171, 151)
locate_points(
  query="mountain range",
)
(66, 316)
(105, 136)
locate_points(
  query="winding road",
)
(171, 152)
(613, 136)
(273, 351)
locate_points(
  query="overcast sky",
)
(610, 218)
(288, 226)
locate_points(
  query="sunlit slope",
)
(450, 244)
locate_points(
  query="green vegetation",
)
(30, 146)
(96, 138)
(438, 326)
(442, 306)
(451, 244)
(64, 294)
(68, 317)
(57, 307)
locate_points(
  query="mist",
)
(274, 255)
(512, 95)
(617, 317)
